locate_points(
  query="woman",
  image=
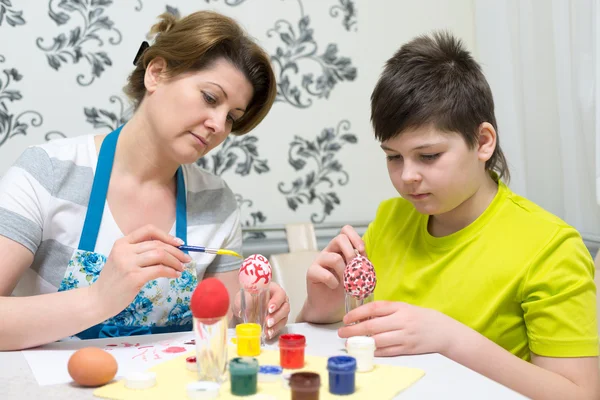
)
(90, 226)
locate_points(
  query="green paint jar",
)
(243, 372)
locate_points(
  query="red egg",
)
(210, 300)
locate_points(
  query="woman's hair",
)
(196, 42)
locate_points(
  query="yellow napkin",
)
(172, 377)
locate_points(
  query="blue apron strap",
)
(181, 208)
(91, 226)
(93, 217)
(95, 209)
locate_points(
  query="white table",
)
(443, 377)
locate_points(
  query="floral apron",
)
(162, 305)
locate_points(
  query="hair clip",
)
(143, 48)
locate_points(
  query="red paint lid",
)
(292, 340)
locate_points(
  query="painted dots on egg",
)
(359, 277)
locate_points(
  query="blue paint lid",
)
(341, 364)
(270, 370)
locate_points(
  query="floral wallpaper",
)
(324, 168)
(13, 122)
(82, 43)
(63, 64)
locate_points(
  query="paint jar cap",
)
(341, 364)
(243, 366)
(247, 330)
(360, 343)
(269, 373)
(270, 369)
(305, 382)
(202, 390)
(190, 363)
(140, 380)
(292, 340)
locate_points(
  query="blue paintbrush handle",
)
(193, 248)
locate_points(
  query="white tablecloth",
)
(443, 377)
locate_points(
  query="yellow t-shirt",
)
(518, 275)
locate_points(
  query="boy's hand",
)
(401, 328)
(325, 277)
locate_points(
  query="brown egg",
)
(92, 366)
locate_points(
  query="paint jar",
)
(211, 348)
(291, 350)
(342, 373)
(243, 372)
(248, 339)
(255, 308)
(363, 349)
(305, 385)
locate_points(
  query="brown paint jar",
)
(305, 385)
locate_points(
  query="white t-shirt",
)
(43, 203)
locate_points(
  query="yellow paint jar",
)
(248, 340)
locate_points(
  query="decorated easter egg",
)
(359, 277)
(92, 366)
(255, 273)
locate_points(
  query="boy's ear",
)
(486, 142)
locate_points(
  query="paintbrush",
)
(222, 252)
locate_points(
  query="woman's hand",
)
(401, 328)
(144, 255)
(279, 310)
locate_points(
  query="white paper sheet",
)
(48, 363)
(134, 353)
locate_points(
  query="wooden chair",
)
(289, 269)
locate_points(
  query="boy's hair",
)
(194, 43)
(434, 80)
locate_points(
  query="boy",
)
(464, 266)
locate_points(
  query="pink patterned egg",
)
(255, 273)
(359, 277)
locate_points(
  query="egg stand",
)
(254, 308)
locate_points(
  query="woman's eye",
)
(208, 98)
(394, 157)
